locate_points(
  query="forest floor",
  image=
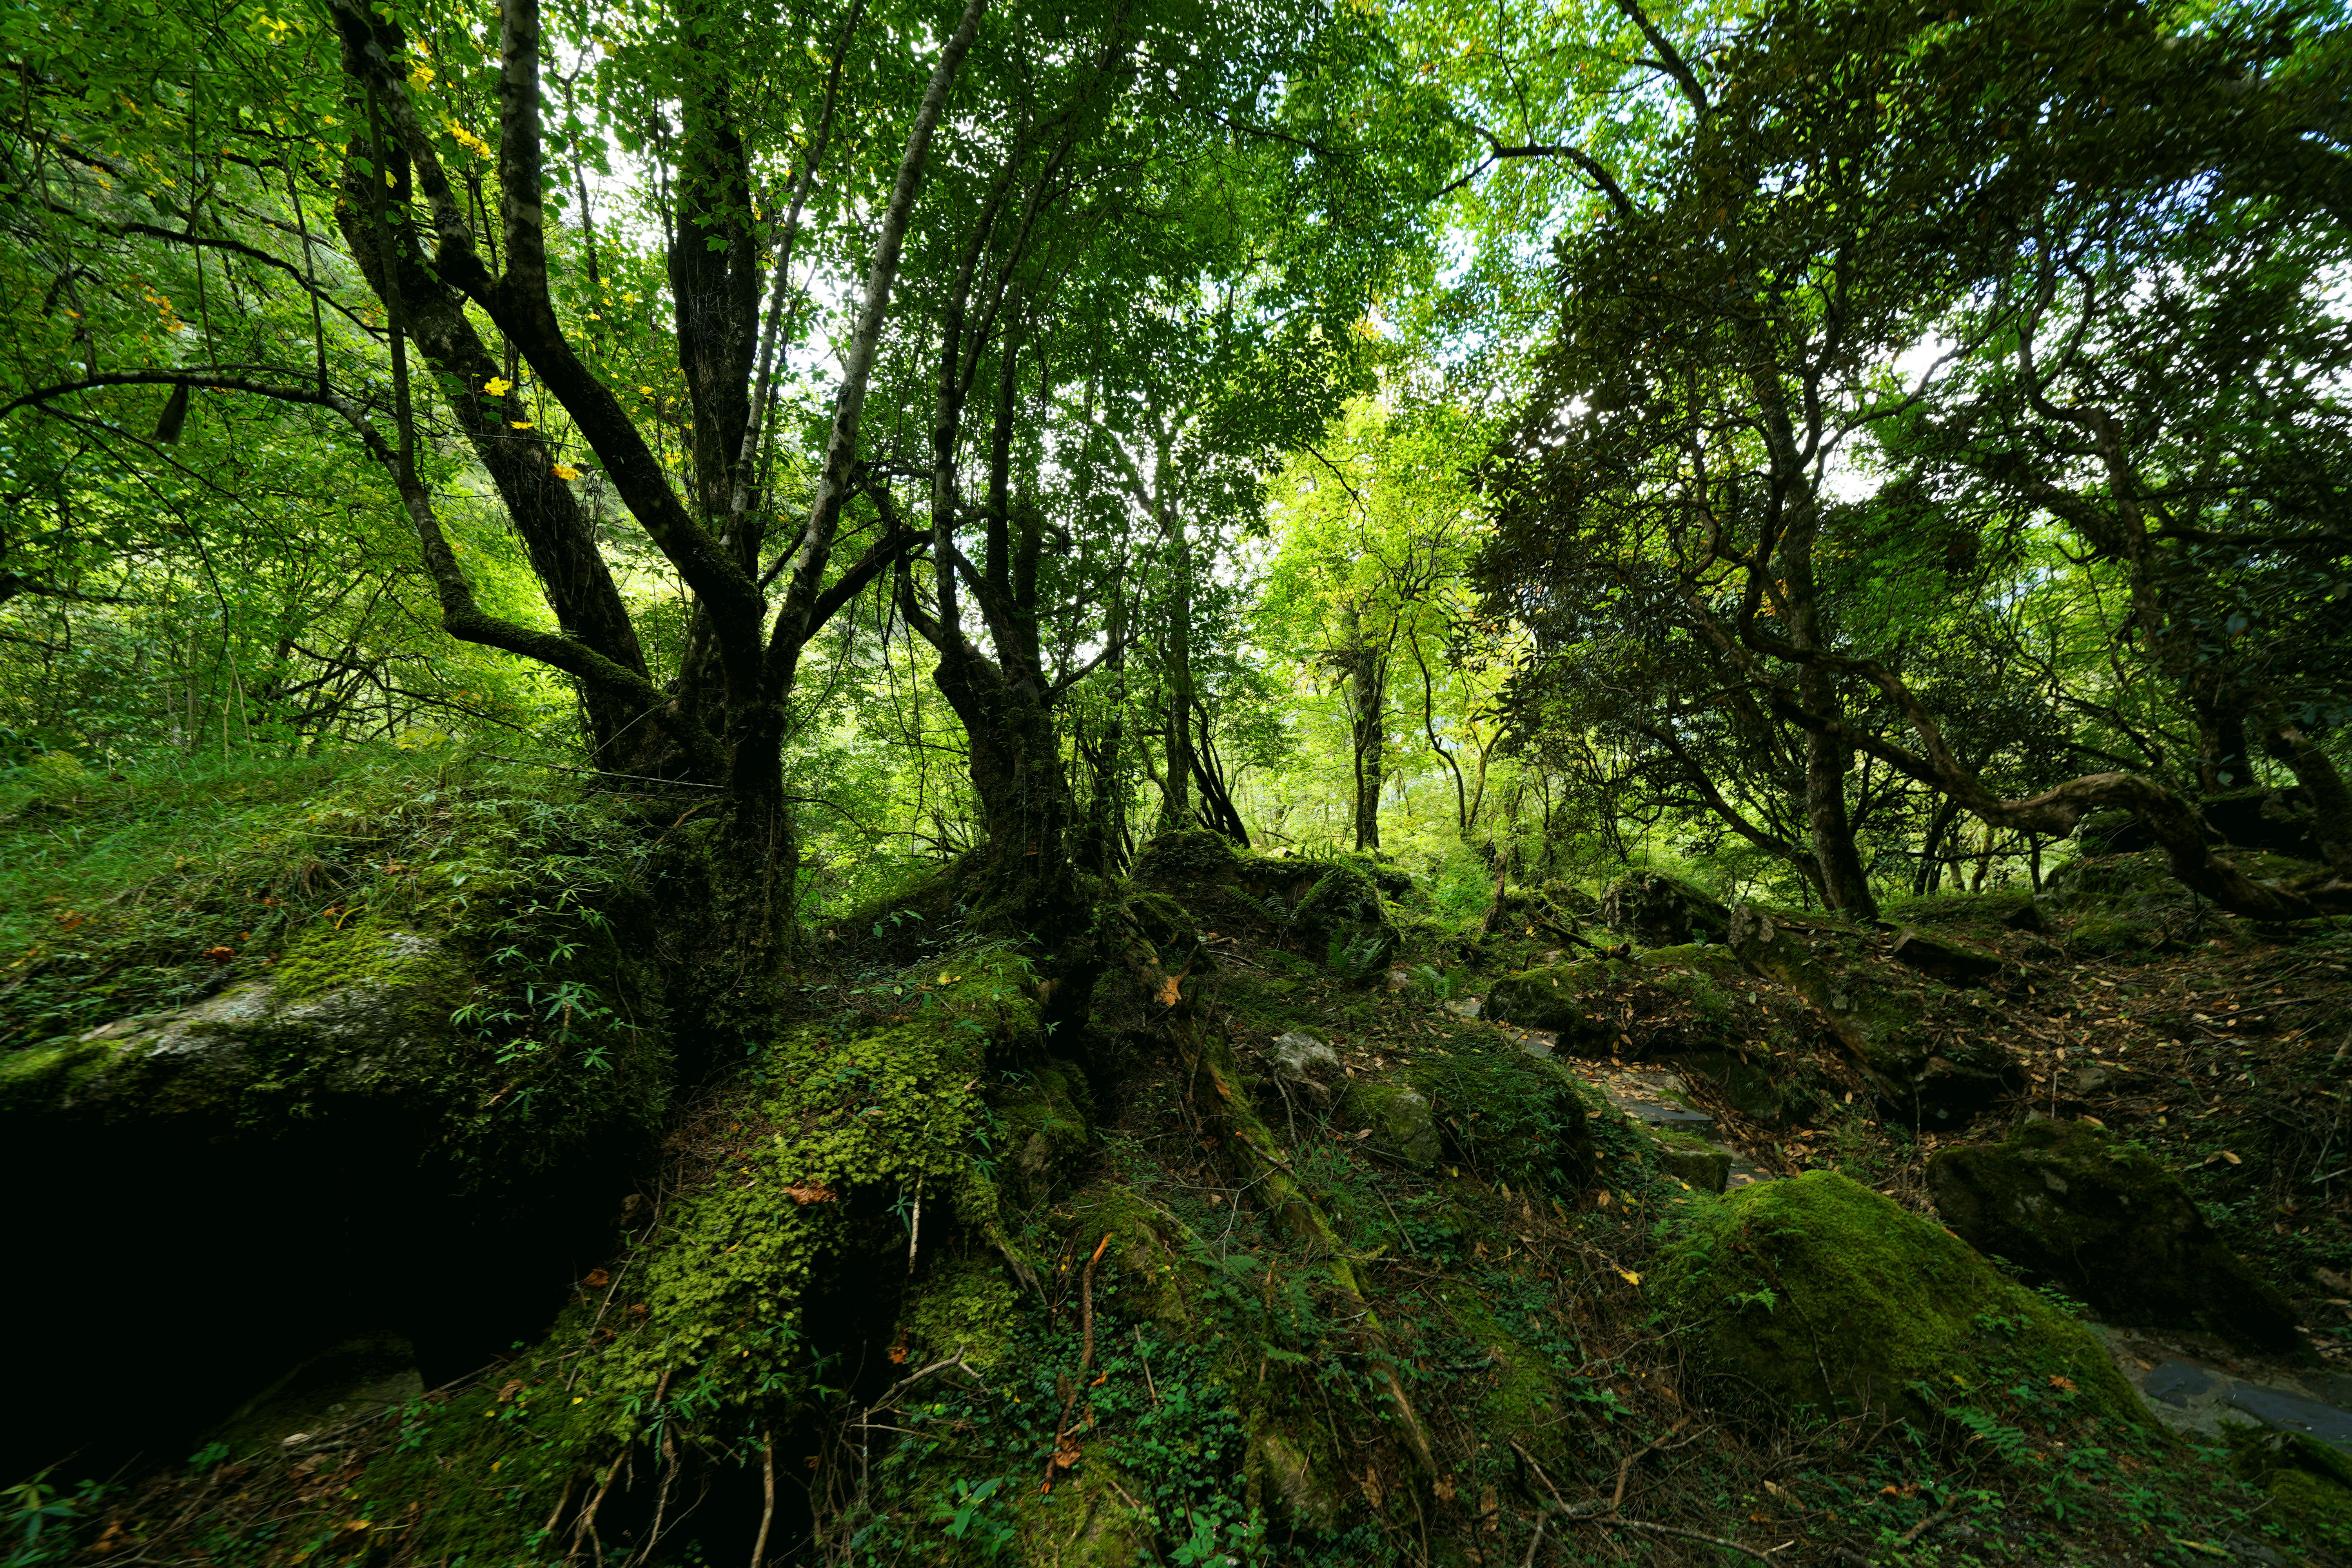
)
(1236, 1280)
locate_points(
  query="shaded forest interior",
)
(1176, 784)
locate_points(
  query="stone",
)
(1942, 958)
(2105, 1222)
(1506, 1115)
(1344, 921)
(1306, 1068)
(1708, 1170)
(1819, 1296)
(1930, 1058)
(1663, 911)
(1400, 1119)
(1557, 1001)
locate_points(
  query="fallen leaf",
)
(1168, 990)
(565, 471)
(598, 1279)
(1628, 1277)
(220, 955)
(2232, 1158)
(507, 1390)
(818, 1193)
(2058, 1382)
(1444, 1491)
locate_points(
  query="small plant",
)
(972, 1515)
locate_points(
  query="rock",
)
(2089, 1080)
(1820, 1295)
(346, 1382)
(1509, 1116)
(1557, 1001)
(1306, 1068)
(1344, 921)
(2309, 1481)
(2109, 1225)
(1708, 1169)
(1296, 1482)
(1400, 1119)
(1929, 1058)
(1663, 911)
(1955, 962)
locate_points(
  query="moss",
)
(1185, 855)
(1695, 973)
(377, 951)
(1560, 1000)
(1663, 910)
(1819, 1295)
(1512, 1117)
(967, 1308)
(2310, 1483)
(2105, 1221)
(1525, 1393)
(1399, 1119)
(1046, 1128)
(35, 1081)
(1344, 917)
(1086, 1521)
(2013, 909)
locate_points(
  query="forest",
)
(1584, 767)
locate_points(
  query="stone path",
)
(2196, 1387)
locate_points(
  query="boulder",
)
(1819, 1295)
(1685, 1005)
(2109, 1225)
(1561, 1000)
(1308, 1069)
(1943, 958)
(1344, 921)
(1400, 1119)
(1931, 1053)
(1510, 1117)
(1663, 911)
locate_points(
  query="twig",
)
(1625, 1467)
(768, 1494)
(1086, 1355)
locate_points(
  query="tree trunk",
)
(1844, 886)
(1366, 682)
(1176, 782)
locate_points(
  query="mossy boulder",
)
(1574, 1001)
(2011, 909)
(1344, 920)
(1400, 1119)
(2105, 1221)
(1663, 911)
(1511, 1117)
(1187, 855)
(1933, 1052)
(2309, 1483)
(1821, 1296)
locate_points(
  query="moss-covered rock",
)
(1663, 911)
(2106, 1222)
(1344, 921)
(1402, 1124)
(344, 1382)
(2309, 1483)
(2012, 909)
(1573, 1001)
(1932, 1053)
(1817, 1294)
(1511, 1117)
(1187, 855)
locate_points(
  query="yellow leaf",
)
(566, 471)
(521, 423)
(498, 386)
(1628, 1277)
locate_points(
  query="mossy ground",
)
(1236, 1404)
